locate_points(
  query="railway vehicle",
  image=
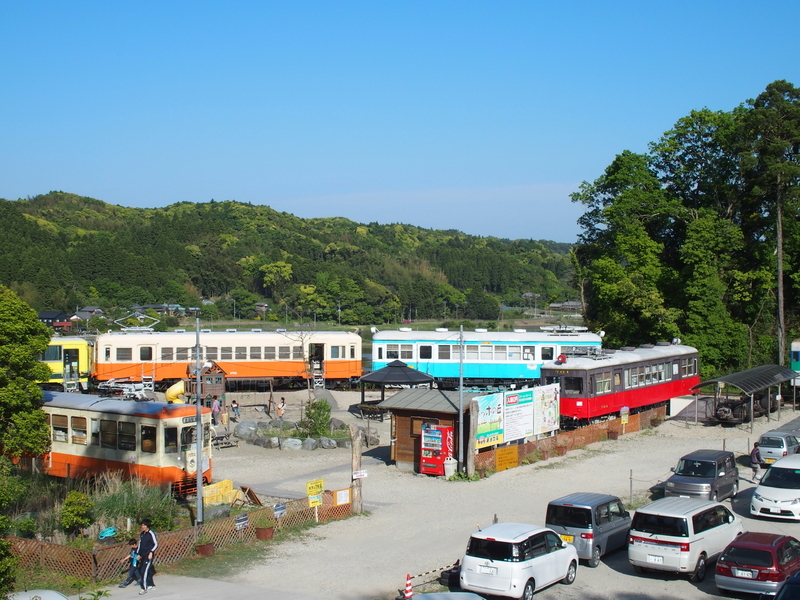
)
(598, 385)
(491, 359)
(154, 441)
(70, 360)
(253, 357)
(795, 361)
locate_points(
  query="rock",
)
(337, 424)
(292, 444)
(326, 443)
(310, 444)
(220, 511)
(344, 443)
(246, 430)
(273, 442)
(373, 440)
(261, 441)
(278, 424)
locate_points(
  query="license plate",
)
(487, 570)
(769, 461)
(775, 510)
(655, 559)
(683, 496)
(743, 573)
(567, 538)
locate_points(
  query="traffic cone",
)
(409, 592)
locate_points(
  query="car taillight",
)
(587, 536)
(771, 574)
(684, 546)
(722, 567)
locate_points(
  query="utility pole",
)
(198, 425)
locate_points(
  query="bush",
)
(317, 420)
(76, 512)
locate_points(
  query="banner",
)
(510, 416)
(489, 430)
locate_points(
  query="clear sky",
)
(478, 116)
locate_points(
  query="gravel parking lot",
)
(418, 523)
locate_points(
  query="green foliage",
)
(317, 418)
(76, 511)
(94, 595)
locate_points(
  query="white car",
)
(778, 492)
(515, 560)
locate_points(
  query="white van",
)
(516, 560)
(680, 535)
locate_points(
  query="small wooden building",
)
(212, 382)
(411, 408)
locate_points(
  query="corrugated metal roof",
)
(397, 372)
(755, 379)
(429, 400)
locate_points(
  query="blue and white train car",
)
(491, 359)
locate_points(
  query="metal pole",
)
(199, 426)
(461, 398)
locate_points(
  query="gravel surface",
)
(419, 523)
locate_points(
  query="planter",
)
(613, 435)
(264, 533)
(481, 473)
(205, 549)
(561, 450)
(545, 454)
(656, 421)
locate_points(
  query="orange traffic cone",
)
(409, 591)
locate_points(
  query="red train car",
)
(597, 385)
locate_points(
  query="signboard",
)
(341, 497)
(489, 430)
(359, 474)
(315, 500)
(507, 457)
(315, 487)
(279, 511)
(515, 415)
(624, 412)
(546, 409)
(242, 522)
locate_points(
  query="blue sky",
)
(478, 116)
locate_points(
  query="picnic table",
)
(224, 440)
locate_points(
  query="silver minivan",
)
(708, 474)
(595, 524)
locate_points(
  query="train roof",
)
(621, 357)
(289, 335)
(520, 336)
(118, 406)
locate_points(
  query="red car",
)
(757, 563)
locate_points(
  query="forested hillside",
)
(699, 238)
(60, 250)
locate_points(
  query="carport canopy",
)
(395, 373)
(753, 380)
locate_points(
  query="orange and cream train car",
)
(154, 441)
(138, 354)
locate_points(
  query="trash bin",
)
(450, 466)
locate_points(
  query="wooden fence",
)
(104, 563)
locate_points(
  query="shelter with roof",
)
(395, 373)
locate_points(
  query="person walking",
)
(133, 570)
(235, 409)
(281, 408)
(145, 552)
(215, 409)
(755, 459)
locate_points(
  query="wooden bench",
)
(371, 411)
(224, 441)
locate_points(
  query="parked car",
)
(515, 560)
(708, 474)
(680, 535)
(789, 591)
(757, 563)
(594, 523)
(37, 595)
(775, 445)
(778, 492)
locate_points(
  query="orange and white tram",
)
(154, 441)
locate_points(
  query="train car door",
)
(316, 357)
(616, 381)
(71, 358)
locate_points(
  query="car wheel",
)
(595, 560)
(735, 490)
(699, 571)
(572, 572)
(530, 587)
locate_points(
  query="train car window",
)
(108, 434)
(675, 369)
(284, 353)
(528, 353)
(688, 367)
(241, 353)
(501, 352)
(170, 440)
(471, 352)
(392, 351)
(126, 440)
(146, 353)
(148, 439)
(206, 435)
(617, 380)
(226, 353)
(336, 350)
(212, 352)
(60, 428)
(602, 382)
(166, 354)
(181, 353)
(107, 353)
(380, 352)
(455, 351)
(187, 438)
(352, 351)
(297, 352)
(514, 352)
(95, 432)
(648, 376)
(573, 386)
(47, 419)
(124, 353)
(255, 352)
(548, 353)
(79, 430)
(485, 352)
(407, 351)
(443, 351)
(426, 352)
(194, 354)
(52, 354)
(269, 352)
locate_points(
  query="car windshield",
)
(696, 468)
(568, 516)
(659, 525)
(492, 549)
(750, 557)
(782, 478)
(771, 442)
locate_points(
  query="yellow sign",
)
(315, 487)
(507, 457)
(315, 500)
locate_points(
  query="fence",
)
(563, 441)
(104, 563)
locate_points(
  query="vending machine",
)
(436, 444)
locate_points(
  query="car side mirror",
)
(564, 544)
(626, 514)
(672, 469)
(721, 474)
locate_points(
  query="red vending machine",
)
(436, 444)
